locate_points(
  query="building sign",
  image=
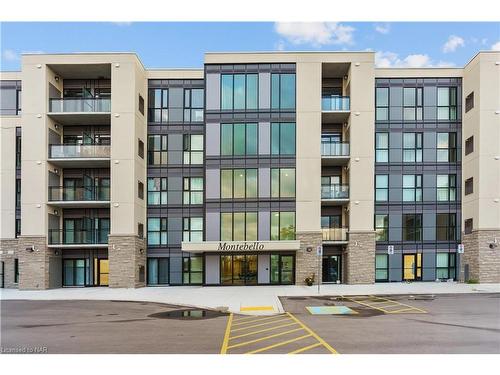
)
(239, 246)
(245, 246)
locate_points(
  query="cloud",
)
(10, 55)
(453, 43)
(392, 60)
(382, 28)
(315, 33)
(126, 23)
(496, 46)
(280, 46)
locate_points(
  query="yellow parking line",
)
(256, 308)
(404, 304)
(245, 318)
(262, 330)
(305, 348)
(255, 320)
(325, 344)
(261, 324)
(279, 344)
(404, 310)
(264, 338)
(223, 349)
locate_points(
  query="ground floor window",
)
(445, 265)
(16, 270)
(192, 270)
(238, 269)
(1, 274)
(331, 272)
(282, 269)
(74, 272)
(381, 267)
(158, 269)
(89, 271)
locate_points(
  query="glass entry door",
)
(101, 272)
(412, 267)
(74, 272)
(238, 269)
(282, 269)
(331, 268)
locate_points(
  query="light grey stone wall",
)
(306, 262)
(127, 257)
(8, 252)
(360, 262)
(483, 262)
(34, 266)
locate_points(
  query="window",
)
(158, 271)
(158, 105)
(238, 226)
(192, 229)
(446, 187)
(412, 103)
(140, 148)
(382, 147)
(445, 265)
(10, 94)
(140, 230)
(238, 183)
(18, 227)
(469, 145)
(412, 227)
(157, 191)
(141, 104)
(192, 270)
(239, 139)
(412, 147)
(447, 103)
(447, 147)
(283, 91)
(381, 267)
(18, 193)
(18, 150)
(157, 149)
(382, 103)
(239, 91)
(446, 227)
(157, 231)
(381, 187)
(412, 188)
(381, 227)
(468, 226)
(140, 190)
(193, 190)
(16, 270)
(282, 182)
(282, 226)
(469, 102)
(283, 138)
(193, 148)
(469, 186)
(193, 105)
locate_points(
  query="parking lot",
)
(458, 323)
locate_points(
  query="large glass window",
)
(239, 139)
(446, 227)
(283, 138)
(381, 187)
(412, 188)
(239, 91)
(157, 149)
(192, 270)
(158, 271)
(193, 190)
(445, 265)
(74, 272)
(157, 231)
(192, 229)
(283, 91)
(447, 147)
(447, 103)
(157, 191)
(282, 182)
(382, 147)
(381, 267)
(158, 105)
(412, 103)
(446, 189)
(282, 226)
(412, 227)
(238, 226)
(193, 148)
(193, 105)
(238, 183)
(412, 147)
(381, 227)
(382, 103)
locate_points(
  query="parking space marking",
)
(305, 348)
(223, 350)
(262, 330)
(261, 324)
(254, 320)
(256, 308)
(264, 338)
(279, 344)
(384, 305)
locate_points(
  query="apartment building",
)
(258, 169)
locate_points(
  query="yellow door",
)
(103, 272)
(409, 267)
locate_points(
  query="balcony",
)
(334, 194)
(78, 238)
(335, 235)
(80, 111)
(334, 153)
(79, 196)
(74, 156)
(335, 108)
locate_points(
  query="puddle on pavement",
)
(187, 314)
(297, 298)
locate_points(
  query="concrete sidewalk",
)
(237, 297)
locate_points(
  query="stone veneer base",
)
(360, 258)
(483, 262)
(306, 262)
(8, 253)
(127, 261)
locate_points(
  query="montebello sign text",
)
(246, 246)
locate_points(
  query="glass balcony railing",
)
(334, 234)
(76, 105)
(78, 237)
(79, 151)
(334, 149)
(335, 103)
(73, 194)
(340, 191)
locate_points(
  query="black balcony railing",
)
(64, 151)
(335, 103)
(337, 191)
(335, 234)
(334, 149)
(76, 105)
(78, 237)
(69, 194)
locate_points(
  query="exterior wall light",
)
(117, 115)
(38, 66)
(357, 64)
(39, 116)
(117, 65)
(116, 205)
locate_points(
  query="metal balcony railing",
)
(63, 151)
(335, 103)
(77, 105)
(335, 234)
(339, 191)
(334, 149)
(78, 237)
(69, 194)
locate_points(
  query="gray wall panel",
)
(175, 270)
(212, 269)
(213, 91)
(264, 182)
(213, 139)
(395, 267)
(212, 226)
(264, 232)
(263, 262)
(264, 138)
(213, 183)
(264, 90)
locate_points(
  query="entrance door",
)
(1, 274)
(412, 267)
(238, 269)
(282, 269)
(331, 268)
(101, 272)
(74, 272)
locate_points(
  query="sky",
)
(182, 44)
